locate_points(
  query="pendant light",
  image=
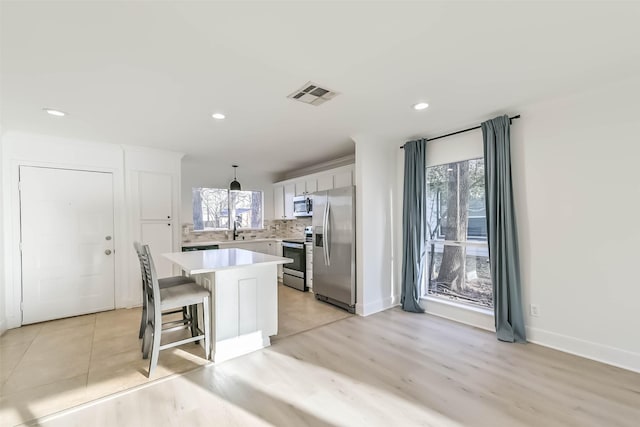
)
(234, 185)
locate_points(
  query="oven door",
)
(295, 272)
(296, 252)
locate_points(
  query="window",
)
(217, 208)
(457, 266)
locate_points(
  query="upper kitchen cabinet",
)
(155, 196)
(283, 201)
(325, 182)
(306, 186)
(284, 191)
(311, 185)
(343, 179)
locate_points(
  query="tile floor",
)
(55, 365)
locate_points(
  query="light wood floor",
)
(389, 369)
(51, 366)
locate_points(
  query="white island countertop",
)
(198, 262)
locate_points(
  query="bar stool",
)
(165, 282)
(178, 296)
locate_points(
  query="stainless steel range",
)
(294, 274)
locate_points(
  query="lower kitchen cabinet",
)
(309, 258)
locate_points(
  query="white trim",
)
(587, 349)
(377, 306)
(3, 326)
(14, 286)
(483, 319)
(332, 171)
(348, 160)
(462, 313)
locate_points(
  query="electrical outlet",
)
(535, 310)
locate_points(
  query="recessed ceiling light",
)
(218, 116)
(420, 106)
(55, 112)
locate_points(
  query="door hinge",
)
(21, 306)
(20, 246)
(19, 185)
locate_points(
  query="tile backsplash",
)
(273, 229)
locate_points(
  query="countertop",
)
(224, 242)
(209, 261)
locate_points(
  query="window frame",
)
(439, 240)
(229, 210)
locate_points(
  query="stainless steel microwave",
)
(302, 206)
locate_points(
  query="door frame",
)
(26, 170)
(13, 235)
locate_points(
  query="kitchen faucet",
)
(235, 228)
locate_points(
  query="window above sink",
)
(217, 208)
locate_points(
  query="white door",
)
(155, 196)
(67, 243)
(159, 237)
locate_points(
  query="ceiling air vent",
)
(311, 93)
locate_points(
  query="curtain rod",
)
(462, 131)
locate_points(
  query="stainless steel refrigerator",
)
(334, 247)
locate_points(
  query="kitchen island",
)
(244, 290)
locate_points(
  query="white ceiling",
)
(151, 73)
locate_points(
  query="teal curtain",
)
(501, 228)
(413, 224)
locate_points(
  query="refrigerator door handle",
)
(328, 234)
(325, 216)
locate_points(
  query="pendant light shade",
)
(234, 185)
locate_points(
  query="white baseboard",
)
(13, 321)
(377, 306)
(587, 349)
(3, 326)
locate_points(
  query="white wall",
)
(575, 171)
(3, 308)
(43, 150)
(204, 173)
(377, 210)
(20, 148)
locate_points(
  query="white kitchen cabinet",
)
(278, 202)
(289, 194)
(155, 196)
(306, 186)
(285, 191)
(309, 267)
(301, 188)
(269, 247)
(325, 182)
(311, 185)
(279, 253)
(283, 201)
(273, 248)
(343, 179)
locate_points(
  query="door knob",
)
(108, 252)
(107, 238)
